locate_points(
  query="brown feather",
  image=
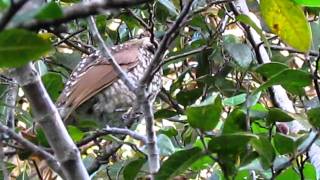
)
(95, 73)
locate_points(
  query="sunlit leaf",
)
(309, 3)
(286, 19)
(17, 47)
(206, 115)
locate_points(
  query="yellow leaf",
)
(286, 19)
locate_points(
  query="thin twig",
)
(165, 42)
(81, 10)
(107, 53)
(13, 9)
(135, 135)
(52, 162)
(69, 36)
(182, 55)
(70, 43)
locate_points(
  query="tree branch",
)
(52, 162)
(13, 9)
(81, 10)
(46, 114)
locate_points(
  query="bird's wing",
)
(95, 73)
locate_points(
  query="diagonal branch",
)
(47, 116)
(13, 9)
(82, 10)
(52, 162)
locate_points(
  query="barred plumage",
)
(94, 89)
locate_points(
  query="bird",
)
(94, 89)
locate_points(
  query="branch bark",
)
(52, 162)
(47, 116)
(81, 10)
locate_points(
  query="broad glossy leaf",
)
(164, 113)
(309, 3)
(75, 133)
(170, 6)
(278, 115)
(286, 19)
(53, 83)
(168, 131)
(314, 117)
(206, 115)
(178, 162)
(235, 100)
(284, 144)
(4, 4)
(265, 149)
(202, 163)
(309, 171)
(18, 47)
(241, 53)
(270, 69)
(132, 169)
(235, 122)
(289, 78)
(230, 143)
(188, 97)
(289, 173)
(50, 11)
(165, 145)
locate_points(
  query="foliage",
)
(216, 118)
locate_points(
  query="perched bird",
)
(94, 89)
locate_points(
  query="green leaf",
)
(235, 100)
(265, 149)
(50, 11)
(278, 115)
(289, 173)
(54, 84)
(206, 115)
(9, 166)
(284, 144)
(247, 20)
(286, 19)
(170, 6)
(241, 53)
(188, 97)
(18, 47)
(161, 12)
(202, 163)
(314, 117)
(164, 113)
(168, 131)
(291, 79)
(309, 171)
(68, 60)
(244, 174)
(75, 133)
(178, 162)
(165, 145)
(235, 122)
(4, 4)
(230, 143)
(270, 69)
(132, 169)
(309, 3)
(42, 138)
